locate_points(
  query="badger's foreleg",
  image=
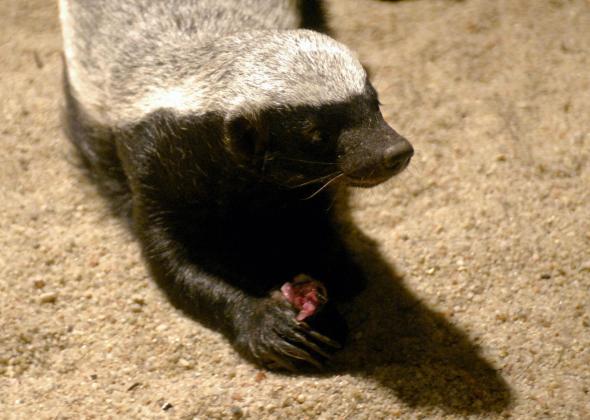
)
(178, 234)
(264, 329)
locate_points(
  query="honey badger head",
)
(316, 117)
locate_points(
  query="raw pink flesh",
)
(306, 294)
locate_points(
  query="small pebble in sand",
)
(167, 406)
(501, 158)
(184, 363)
(133, 386)
(237, 412)
(50, 297)
(502, 317)
(38, 283)
(138, 299)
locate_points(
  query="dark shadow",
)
(407, 347)
(403, 345)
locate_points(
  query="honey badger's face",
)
(308, 144)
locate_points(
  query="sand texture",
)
(478, 255)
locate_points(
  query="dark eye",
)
(312, 133)
(315, 136)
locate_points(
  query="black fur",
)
(313, 15)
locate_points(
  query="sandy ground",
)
(478, 255)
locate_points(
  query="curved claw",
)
(320, 337)
(302, 339)
(278, 363)
(295, 352)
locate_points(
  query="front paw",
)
(274, 338)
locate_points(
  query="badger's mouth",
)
(365, 182)
(366, 178)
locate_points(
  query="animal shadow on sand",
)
(401, 344)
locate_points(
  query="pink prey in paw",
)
(305, 294)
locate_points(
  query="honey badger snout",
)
(397, 156)
(371, 155)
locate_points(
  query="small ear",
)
(245, 137)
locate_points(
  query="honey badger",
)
(222, 129)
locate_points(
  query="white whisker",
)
(324, 186)
(315, 180)
(313, 162)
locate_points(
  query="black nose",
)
(397, 156)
